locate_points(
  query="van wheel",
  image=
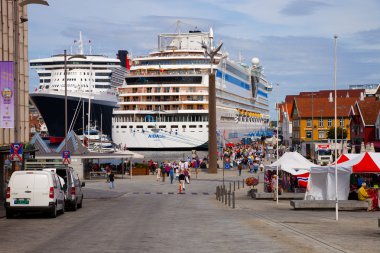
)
(53, 213)
(9, 214)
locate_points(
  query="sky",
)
(294, 39)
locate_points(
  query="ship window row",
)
(174, 62)
(237, 72)
(102, 80)
(44, 80)
(72, 73)
(162, 98)
(163, 90)
(165, 107)
(34, 64)
(164, 80)
(102, 74)
(162, 118)
(44, 74)
(161, 126)
(101, 86)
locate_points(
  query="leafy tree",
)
(331, 133)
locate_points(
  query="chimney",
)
(361, 96)
(331, 99)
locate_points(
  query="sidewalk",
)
(353, 232)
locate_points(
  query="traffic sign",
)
(66, 157)
(16, 152)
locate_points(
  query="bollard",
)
(222, 194)
(217, 193)
(225, 197)
(238, 184)
(234, 185)
(243, 182)
(233, 200)
(229, 198)
(230, 186)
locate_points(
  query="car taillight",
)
(72, 191)
(8, 194)
(51, 193)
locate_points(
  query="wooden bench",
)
(284, 195)
(344, 205)
(96, 174)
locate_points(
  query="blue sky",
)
(292, 38)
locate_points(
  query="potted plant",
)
(251, 182)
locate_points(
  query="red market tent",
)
(321, 184)
(370, 163)
(346, 157)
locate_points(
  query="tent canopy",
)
(346, 157)
(321, 184)
(293, 163)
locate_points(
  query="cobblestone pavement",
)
(143, 215)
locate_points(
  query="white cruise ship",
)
(163, 103)
(88, 80)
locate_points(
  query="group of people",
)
(181, 172)
(246, 157)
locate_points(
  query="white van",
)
(34, 191)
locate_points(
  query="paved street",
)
(143, 215)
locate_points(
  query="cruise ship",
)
(163, 103)
(88, 82)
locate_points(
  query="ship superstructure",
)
(88, 80)
(163, 103)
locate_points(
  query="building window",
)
(149, 90)
(341, 122)
(321, 134)
(320, 122)
(329, 122)
(308, 134)
(308, 123)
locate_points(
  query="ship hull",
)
(52, 110)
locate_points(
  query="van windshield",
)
(324, 152)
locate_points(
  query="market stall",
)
(294, 172)
(363, 167)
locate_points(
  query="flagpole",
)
(335, 102)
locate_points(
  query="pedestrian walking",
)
(158, 173)
(240, 167)
(181, 180)
(186, 173)
(176, 173)
(171, 174)
(111, 177)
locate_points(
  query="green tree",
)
(331, 133)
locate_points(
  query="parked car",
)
(34, 191)
(72, 187)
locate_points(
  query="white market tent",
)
(321, 184)
(293, 163)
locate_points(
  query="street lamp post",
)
(212, 141)
(335, 132)
(277, 112)
(65, 74)
(16, 48)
